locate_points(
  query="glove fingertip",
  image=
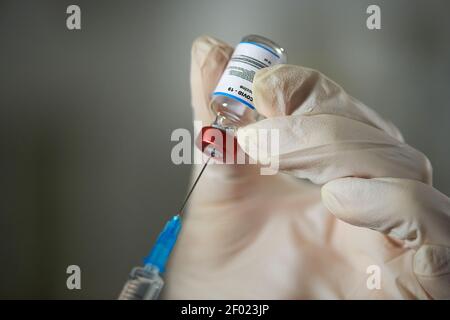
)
(209, 57)
(344, 198)
(204, 45)
(329, 199)
(432, 269)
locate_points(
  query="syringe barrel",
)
(144, 283)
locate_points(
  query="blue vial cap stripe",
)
(219, 93)
(264, 47)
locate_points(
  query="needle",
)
(195, 183)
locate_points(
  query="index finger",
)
(294, 90)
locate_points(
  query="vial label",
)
(237, 79)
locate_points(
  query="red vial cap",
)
(218, 143)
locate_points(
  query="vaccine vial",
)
(232, 100)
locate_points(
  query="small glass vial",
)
(232, 100)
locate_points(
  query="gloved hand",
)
(248, 236)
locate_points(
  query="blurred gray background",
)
(86, 116)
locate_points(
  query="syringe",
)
(146, 283)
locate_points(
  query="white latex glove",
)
(248, 236)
